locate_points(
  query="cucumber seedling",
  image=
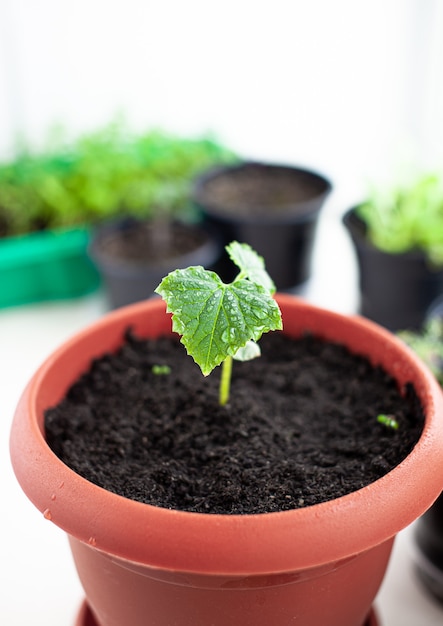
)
(218, 321)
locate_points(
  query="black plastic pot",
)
(132, 276)
(273, 208)
(429, 556)
(396, 290)
(429, 527)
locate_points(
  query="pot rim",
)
(209, 249)
(291, 213)
(228, 544)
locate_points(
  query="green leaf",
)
(216, 319)
(249, 351)
(251, 264)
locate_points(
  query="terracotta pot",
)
(274, 208)
(85, 617)
(142, 564)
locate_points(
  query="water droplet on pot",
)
(47, 514)
(53, 497)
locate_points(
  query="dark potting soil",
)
(300, 428)
(152, 242)
(256, 189)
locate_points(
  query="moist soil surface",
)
(141, 243)
(300, 428)
(258, 189)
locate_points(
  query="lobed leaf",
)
(216, 319)
(251, 264)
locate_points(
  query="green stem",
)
(225, 380)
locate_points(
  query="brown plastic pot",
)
(141, 564)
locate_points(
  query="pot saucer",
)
(371, 621)
(86, 618)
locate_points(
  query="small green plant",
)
(387, 420)
(102, 175)
(407, 217)
(219, 322)
(161, 370)
(428, 345)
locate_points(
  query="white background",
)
(353, 89)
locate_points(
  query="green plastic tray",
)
(48, 265)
